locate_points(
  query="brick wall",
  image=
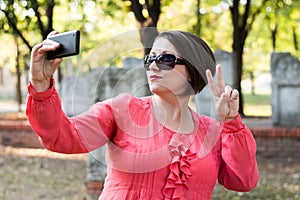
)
(272, 142)
(278, 143)
(281, 149)
(18, 133)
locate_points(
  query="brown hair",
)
(197, 54)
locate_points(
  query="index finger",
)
(52, 33)
(221, 83)
(48, 45)
(211, 82)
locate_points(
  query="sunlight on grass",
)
(257, 105)
(258, 110)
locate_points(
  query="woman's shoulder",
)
(127, 98)
(127, 102)
(129, 110)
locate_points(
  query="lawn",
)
(37, 174)
(278, 181)
(257, 105)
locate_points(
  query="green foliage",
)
(21, 14)
(111, 8)
(98, 22)
(283, 15)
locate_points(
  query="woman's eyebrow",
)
(159, 51)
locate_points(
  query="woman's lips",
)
(154, 77)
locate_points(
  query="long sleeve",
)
(59, 133)
(239, 169)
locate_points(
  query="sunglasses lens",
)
(147, 61)
(163, 61)
(166, 61)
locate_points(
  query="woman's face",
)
(166, 81)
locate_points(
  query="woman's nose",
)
(153, 66)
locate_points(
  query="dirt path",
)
(37, 174)
(34, 174)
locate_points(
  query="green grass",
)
(278, 181)
(257, 105)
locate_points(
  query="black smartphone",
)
(69, 44)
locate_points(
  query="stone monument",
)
(79, 93)
(285, 98)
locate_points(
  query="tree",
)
(197, 26)
(275, 29)
(147, 16)
(25, 16)
(242, 20)
(20, 17)
(277, 13)
(30, 22)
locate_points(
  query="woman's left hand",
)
(226, 99)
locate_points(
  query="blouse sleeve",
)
(238, 169)
(59, 133)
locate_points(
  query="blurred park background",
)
(253, 30)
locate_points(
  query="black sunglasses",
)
(163, 61)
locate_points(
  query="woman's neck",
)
(173, 112)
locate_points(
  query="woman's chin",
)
(160, 91)
(157, 89)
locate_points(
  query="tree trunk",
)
(148, 30)
(274, 33)
(295, 38)
(49, 14)
(240, 32)
(197, 27)
(238, 46)
(18, 73)
(239, 71)
(148, 35)
(252, 78)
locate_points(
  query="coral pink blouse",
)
(146, 160)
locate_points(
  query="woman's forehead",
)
(163, 45)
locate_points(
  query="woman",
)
(157, 147)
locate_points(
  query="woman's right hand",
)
(42, 69)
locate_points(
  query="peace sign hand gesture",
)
(226, 99)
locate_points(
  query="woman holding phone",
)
(157, 146)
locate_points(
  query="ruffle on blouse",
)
(176, 184)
